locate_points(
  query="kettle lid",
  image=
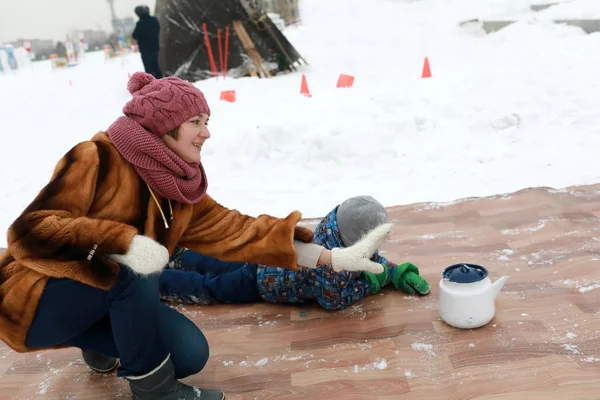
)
(465, 273)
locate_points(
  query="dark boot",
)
(161, 384)
(99, 362)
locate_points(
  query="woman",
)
(82, 263)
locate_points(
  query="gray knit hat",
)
(357, 216)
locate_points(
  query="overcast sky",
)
(52, 19)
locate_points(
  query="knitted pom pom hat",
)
(161, 105)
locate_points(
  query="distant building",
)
(41, 48)
(95, 39)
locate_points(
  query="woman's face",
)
(192, 135)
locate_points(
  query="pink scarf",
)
(159, 166)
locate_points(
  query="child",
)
(198, 279)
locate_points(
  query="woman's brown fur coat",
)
(95, 197)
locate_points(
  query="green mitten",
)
(377, 281)
(405, 277)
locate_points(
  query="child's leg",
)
(188, 260)
(238, 286)
(332, 290)
(335, 291)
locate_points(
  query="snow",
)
(262, 362)
(560, 10)
(571, 347)
(423, 347)
(582, 289)
(504, 111)
(588, 288)
(381, 364)
(44, 387)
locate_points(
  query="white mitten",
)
(145, 255)
(357, 257)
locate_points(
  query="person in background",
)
(146, 33)
(61, 49)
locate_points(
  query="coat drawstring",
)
(160, 208)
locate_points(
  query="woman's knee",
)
(187, 344)
(191, 360)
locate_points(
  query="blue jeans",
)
(200, 279)
(128, 321)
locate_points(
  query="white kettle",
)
(467, 296)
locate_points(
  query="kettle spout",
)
(497, 286)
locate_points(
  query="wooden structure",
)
(193, 29)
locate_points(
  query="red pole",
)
(221, 64)
(210, 53)
(226, 49)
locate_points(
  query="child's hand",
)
(358, 256)
(411, 283)
(407, 279)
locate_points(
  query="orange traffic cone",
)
(345, 81)
(304, 87)
(426, 69)
(228, 95)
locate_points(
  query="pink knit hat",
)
(161, 105)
